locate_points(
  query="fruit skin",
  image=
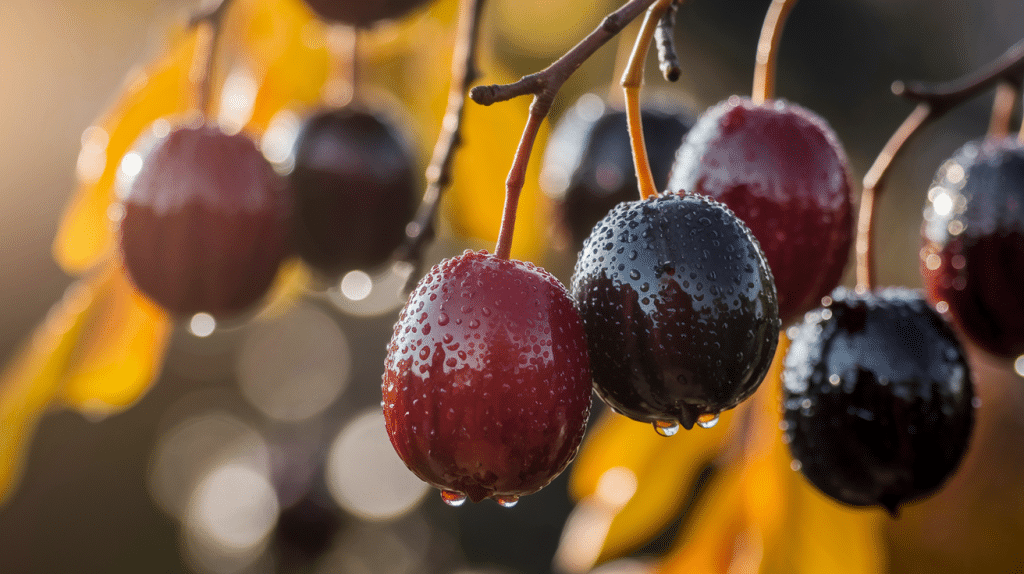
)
(877, 398)
(362, 12)
(355, 187)
(973, 244)
(486, 385)
(679, 306)
(588, 162)
(206, 221)
(782, 170)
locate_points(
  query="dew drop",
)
(666, 428)
(707, 420)
(473, 323)
(507, 501)
(453, 498)
(442, 320)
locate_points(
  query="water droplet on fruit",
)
(666, 428)
(442, 320)
(707, 420)
(507, 501)
(473, 323)
(453, 498)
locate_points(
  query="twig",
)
(668, 61)
(544, 85)
(933, 101)
(546, 82)
(421, 230)
(632, 80)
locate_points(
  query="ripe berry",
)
(487, 383)
(588, 164)
(781, 169)
(974, 244)
(355, 189)
(679, 307)
(206, 220)
(878, 398)
(362, 12)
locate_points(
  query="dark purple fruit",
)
(206, 222)
(878, 398)
(355, 187)
(782, 170)
(487, 384)
(588, 164)
(679, 307)
(973, 250)
(362, 12)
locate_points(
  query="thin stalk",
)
(632, 81)
(768, 50)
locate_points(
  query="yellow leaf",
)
(120, 354)
(163, 89)
(36, 374)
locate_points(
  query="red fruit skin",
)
(206, 223)
(973, 244)
(487, 382)
(781, 169)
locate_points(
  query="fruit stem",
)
(343, 45)
(874, 182)
(1002, 109)
(517, 175)
(544, 85)
(768, 50)
(421, 229)
(632, 81)
(210, 22)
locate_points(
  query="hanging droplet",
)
(666, 428)
(707, 420)
(453, 498)
(507, 501)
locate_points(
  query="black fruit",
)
(355, 187)
(878, 398)
(588, 163)
(206, 221)
(679, 307)
(973, 250)
(362, 12)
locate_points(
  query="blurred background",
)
(218, 468)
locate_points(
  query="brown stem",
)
(517, 175)
(550, 79)
(874, 183)
(668, 61)
(632, 80)
(211, 20)
(421, 230)
(768, 50)
(1002, 109)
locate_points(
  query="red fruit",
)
(974, 244)
(781, 169)
(487, 381)
(206, 222)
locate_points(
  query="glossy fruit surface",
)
(487, 383)
(877, 398)
(206, 220)
(782, 170)
(362, 12)
(588, 163)
(355, 187)
(679, 307)
(973, 249)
